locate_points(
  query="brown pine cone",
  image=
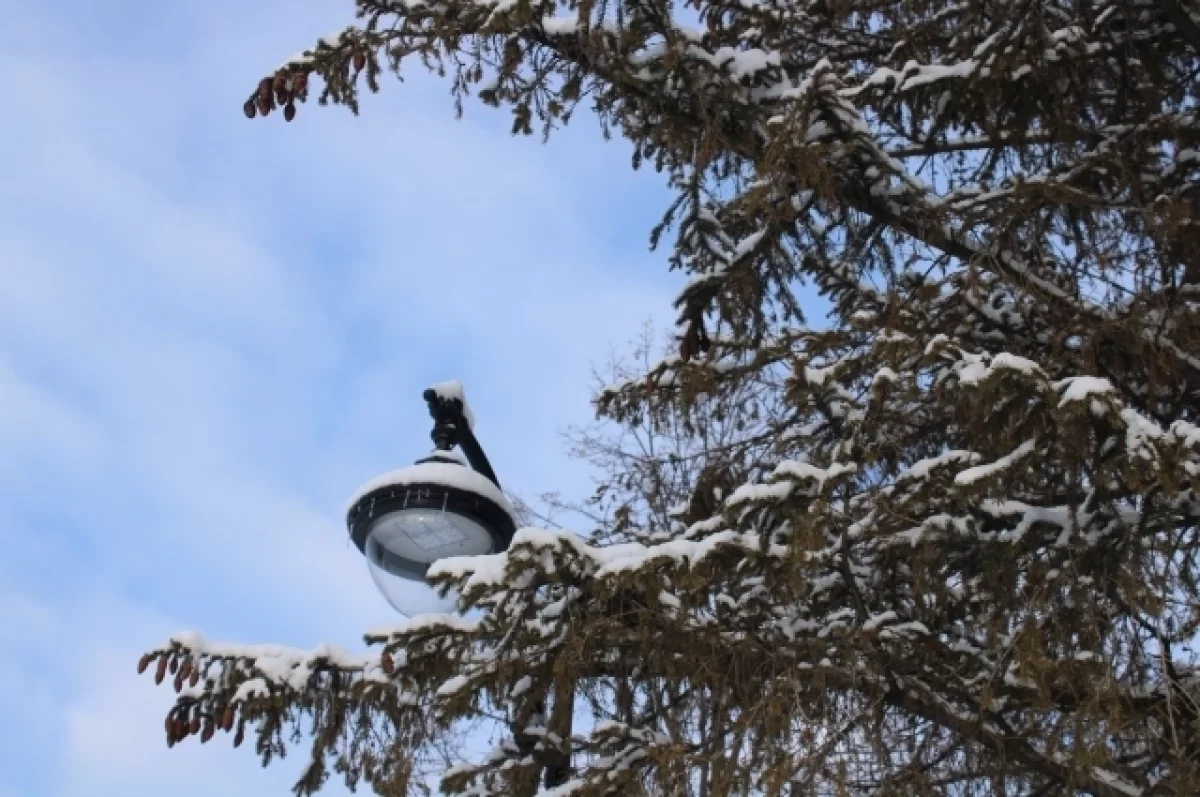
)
(689, 344)
(161, 672)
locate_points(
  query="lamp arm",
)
(450, 427)
(470, 446)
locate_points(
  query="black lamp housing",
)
(439, 484)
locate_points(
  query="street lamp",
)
(406, 520)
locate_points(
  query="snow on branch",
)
(998, 467)
(221, 685)
(537, 554)
(276, 666)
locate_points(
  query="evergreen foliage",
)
(941, 541)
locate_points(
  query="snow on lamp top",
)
(454, 390)
(444, 474)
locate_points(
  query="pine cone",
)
(289, 111)
(689, 344)
(386, 662)
(249, 109)
(227, 718)
(208, 732)
(280, 87)
(144, 662)
(299, 82)
(161, 672)
(360, 60)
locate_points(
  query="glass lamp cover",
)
(426, 535)
(423, 536)
(410, 597)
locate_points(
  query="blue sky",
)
(212, 330)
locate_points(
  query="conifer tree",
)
(958, 554)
